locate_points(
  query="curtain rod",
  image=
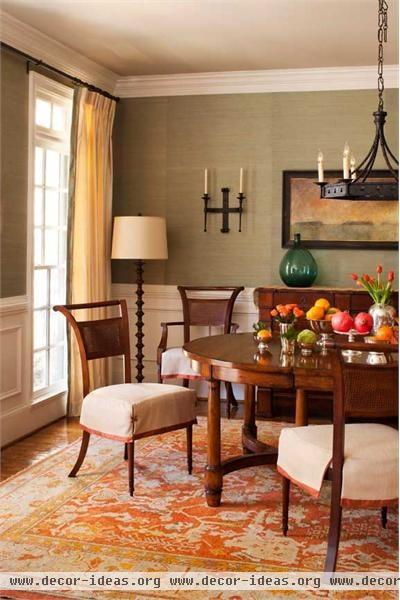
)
(76, 80)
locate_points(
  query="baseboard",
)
(25, 420)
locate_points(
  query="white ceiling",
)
(146, 37)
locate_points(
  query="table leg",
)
(301, 417)
(213, 474)
(249, 421)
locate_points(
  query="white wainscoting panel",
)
(19, 415)
(163, 303)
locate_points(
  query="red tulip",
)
(379, 269)
(274, 313)
(366, 277)
(354, 276)
(390, 276)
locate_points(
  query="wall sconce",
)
(225, 210)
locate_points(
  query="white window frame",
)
(50, 90)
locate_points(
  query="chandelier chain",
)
(382, 37)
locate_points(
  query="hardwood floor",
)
(46, 441)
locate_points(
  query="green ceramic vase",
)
(298, 267)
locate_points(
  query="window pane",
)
(39, 328)
(39, 370)
(52, 168)
(40, 288)
(38, 209)
(57, 286)
(65, 171)
(38, 246)
(51, 247)
(58, 121)
(63, 209)
(63, 247)
(57, 327)
(51, 200)
(38, 166)
(56, 364)
(43, 113)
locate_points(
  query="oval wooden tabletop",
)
(240, 351)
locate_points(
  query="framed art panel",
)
(332, 223)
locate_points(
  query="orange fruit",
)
(315, 313)
(264, 335)
(384, 333)
(323, 303)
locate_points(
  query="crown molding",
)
(32, 41)
(251, 82)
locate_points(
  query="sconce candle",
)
(241, 181)
(205, 180)
(320, 166)
(346, 161)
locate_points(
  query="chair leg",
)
(285, 504)
(126, 452)
(131, 466)
(384, 516)
(335, 522)
(230, 396)
(189, 447)
(82, 454)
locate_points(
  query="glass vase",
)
(382, 314)
(298, 267)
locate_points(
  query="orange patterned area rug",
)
(53, 523)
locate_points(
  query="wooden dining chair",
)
(359, 458)
(129, 411)
(211, 307)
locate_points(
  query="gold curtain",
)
(90, 219)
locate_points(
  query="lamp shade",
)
(140, 238)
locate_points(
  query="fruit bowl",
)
(321, 326)
(305, 348)
(324, 328)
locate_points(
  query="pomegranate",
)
(342, 322)
(363, 322)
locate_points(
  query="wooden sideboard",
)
(353, 300)
(266, 298)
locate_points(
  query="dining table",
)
(236, 358)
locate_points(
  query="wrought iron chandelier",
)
(356, 183)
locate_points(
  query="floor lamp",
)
(140, 239)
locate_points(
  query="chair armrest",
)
(162, 346)
(234, 327)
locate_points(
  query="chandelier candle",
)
(346, 161)
(320, 167)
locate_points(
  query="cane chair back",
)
(100, 338)
(210, 312)
(367, 391)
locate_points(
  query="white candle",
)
(205, 180)
(241, 181)
(320, 167)
(346, 161)
(353, 167)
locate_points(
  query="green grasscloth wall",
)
(162, 145)
(14, 174)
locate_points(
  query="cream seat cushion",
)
(175, 365)
(370, 470)
(107, 411)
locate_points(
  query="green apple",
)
(307, 337)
